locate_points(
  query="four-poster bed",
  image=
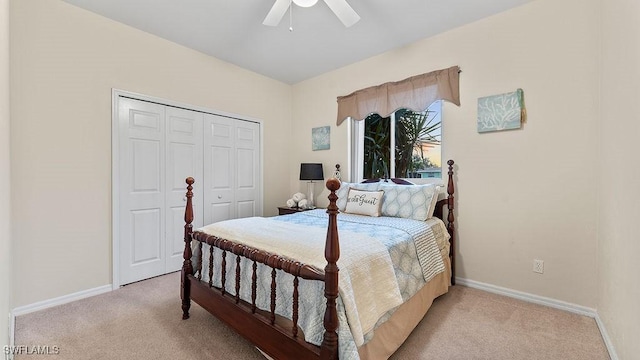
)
(278, 333)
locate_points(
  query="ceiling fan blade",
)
(276, 13)
(343, 11)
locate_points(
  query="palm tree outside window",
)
(406, 144)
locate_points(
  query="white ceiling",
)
(232, 30)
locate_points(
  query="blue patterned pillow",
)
(344, 191)
(409, 201)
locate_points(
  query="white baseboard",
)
(264, 354)
(12, 329)
(41, 305)
(541, 300)
(12, 332)
(607, 340)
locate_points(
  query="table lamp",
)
(311, 172)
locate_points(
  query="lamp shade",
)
(311, 171)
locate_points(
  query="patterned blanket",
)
(383, 262)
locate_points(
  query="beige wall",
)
(569, 170)
(619, 194)
(65, 61)
(5, 191)
(522, 195)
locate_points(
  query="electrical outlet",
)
(538, 266)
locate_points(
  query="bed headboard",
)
(439, 210)
(393, 180)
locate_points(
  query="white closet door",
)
(247, 161)
(219, 169)
(158, 147)
(184, 158)
(141, 184)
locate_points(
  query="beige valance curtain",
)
(415, 93)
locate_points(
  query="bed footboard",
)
(260, 326)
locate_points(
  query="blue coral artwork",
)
(320, 138)
(501, 112)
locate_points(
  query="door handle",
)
(219, 196)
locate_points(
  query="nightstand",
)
(284, 210)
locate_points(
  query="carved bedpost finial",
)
(333, 185)
(450, 190)
(187, 267)
(336, 174)
(332, 246)
(189, 196)
(450, 221)
(329, 348)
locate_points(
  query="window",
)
(403, 145)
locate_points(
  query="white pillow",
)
(439, 191)
(343, 192)
(409, 201)
(364, 202)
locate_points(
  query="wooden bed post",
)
(329, 348)
(450, 222)
(187, 267)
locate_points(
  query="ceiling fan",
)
(341, 8)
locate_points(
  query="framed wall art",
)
(501, 112)
(321, 138)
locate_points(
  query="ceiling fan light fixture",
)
(305, 3)
(341, 8)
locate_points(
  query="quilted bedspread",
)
(383, 262)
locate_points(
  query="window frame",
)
(355, 133)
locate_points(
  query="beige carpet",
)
(143, 321)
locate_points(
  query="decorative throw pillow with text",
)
(364, 202)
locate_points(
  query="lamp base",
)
(310, 196)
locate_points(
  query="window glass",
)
(415, 138)
(377, 142)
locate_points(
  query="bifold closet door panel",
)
(219, 169)
(231, 168)
(183, 158)
(247, 160)
(142, 207)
